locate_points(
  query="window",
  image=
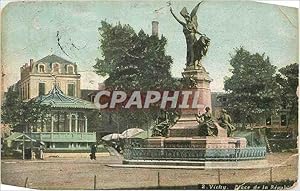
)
(25, 91)
(269, 121)
(41, 68)
(41, 89)
(70, 69)
(92, 98)
(283, 120)
(55, 68)
(71, 89)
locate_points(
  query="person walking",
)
(93, 152)
(41, 149)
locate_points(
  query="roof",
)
(16, 136)
(57, 99)
(53, 58)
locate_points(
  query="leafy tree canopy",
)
(252, 89)
(288, 80)
(19, 114)
(133, 61)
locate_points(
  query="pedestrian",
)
(93, 152)
(41, 149)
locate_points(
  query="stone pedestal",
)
(187, 126)
(201, 85)
(185, 132)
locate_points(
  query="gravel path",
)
(57, 173)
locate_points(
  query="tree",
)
(288, 80)
(20, 114)
(10, 108)
(134, 61)
(252, 89)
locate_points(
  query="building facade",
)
(38, 77)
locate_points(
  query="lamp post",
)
(23, 149)
(252, 136)
(31, 143)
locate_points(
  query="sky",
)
(29, 31)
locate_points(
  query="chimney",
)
(31, 63)
(155, 28)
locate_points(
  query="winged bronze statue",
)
(196, 48)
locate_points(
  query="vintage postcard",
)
(149, 95)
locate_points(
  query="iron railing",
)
(63, 136)
(195, 154)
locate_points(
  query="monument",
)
(196, 136)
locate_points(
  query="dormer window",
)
(55, 68)
(41, 68)
(70, 69)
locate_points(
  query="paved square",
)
(68, 173)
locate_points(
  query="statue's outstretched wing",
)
(184, 12)
(194, 14)
(194, 11)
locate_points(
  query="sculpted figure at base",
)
(164, 121)
(225, 122)
(206, 124)
(196, 48)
